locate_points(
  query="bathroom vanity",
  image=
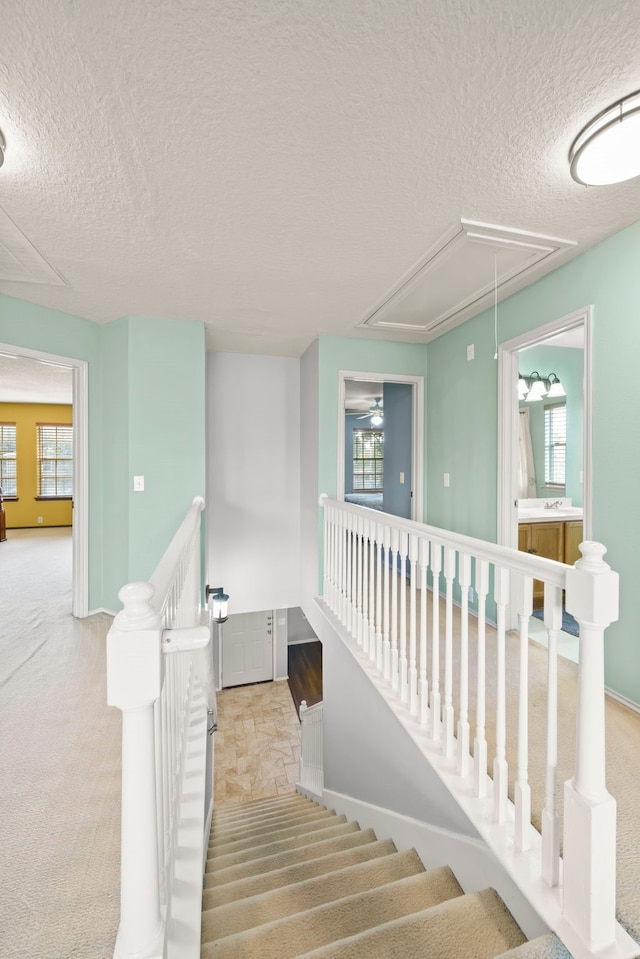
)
(554, 531)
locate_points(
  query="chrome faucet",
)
(556, 503)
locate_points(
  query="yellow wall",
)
(27, 510)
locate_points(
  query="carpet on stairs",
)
(286, 878)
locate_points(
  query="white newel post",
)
(589, 810)
(134, 672)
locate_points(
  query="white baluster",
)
(423, 682)
(379, 600)
(522, 790)
(589, 848)
(436, 566)
(355, 613)
(480, 742)
(447, 710)
(464, 577)
(134, 670)
(402, 662)
(394, 609)
(373, 595)
(500, 768)
(364, 565)
(413, 671)
(348, 621)
(386, 644)
(550, 816)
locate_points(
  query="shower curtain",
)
(526, 471)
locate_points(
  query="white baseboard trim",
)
(102, 609)
(629, 703)
(309, 793)
(472, 862)
(302, 642)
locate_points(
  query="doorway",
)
(79, 401)
(576, 331)
(380, 441)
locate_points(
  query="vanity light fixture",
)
(533, 387)
(537, 388)
(607, 149)
(555, 386)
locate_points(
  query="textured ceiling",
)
(23, 380)
(273, 167)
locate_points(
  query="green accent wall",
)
(146, 385)
(462, 418)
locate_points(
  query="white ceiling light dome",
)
(607, 149)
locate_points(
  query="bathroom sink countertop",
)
(538, 514)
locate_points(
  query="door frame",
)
(80, 520)
(508, 359)
(417, 431)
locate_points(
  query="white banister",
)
(411, 563)
(160, 675)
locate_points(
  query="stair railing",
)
(368, 556)
(160, 675)
(311, 758)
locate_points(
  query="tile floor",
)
(257, 748)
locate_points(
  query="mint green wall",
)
(38, 328)
(462, 418)
(166, 411)
(568, 365)
(146, 381)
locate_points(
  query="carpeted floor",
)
(60, 821)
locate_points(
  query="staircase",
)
(286, 877)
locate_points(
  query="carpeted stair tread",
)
(253, 807)
(291, 857)
(340, 828)
(309, 820)
(544, 947)
(253, 885)
(277, 903)
(258, 822)
(477, 925)
(335, 920)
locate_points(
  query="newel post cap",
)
(593, 587)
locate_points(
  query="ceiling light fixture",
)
(607, 149)
(3, 147)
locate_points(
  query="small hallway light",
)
(219, 603)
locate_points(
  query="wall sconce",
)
(534, 387)
(219, 603)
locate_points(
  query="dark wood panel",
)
(305, 673)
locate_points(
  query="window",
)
(368, 459)
(8, 476)
(55, 460)
(555, 444)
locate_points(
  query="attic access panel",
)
(456, 278)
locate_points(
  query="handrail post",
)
(589, 810)
(134, 672)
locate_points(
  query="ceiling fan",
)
(375, 412)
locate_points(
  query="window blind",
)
(55, 460)
(555, 444)
(8, 470)
(368, 460)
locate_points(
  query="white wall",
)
(253, 479)
(309, 471)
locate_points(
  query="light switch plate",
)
(402, 477)
(138, 484)
(447, 481)
(471, 352)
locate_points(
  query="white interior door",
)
(247, 648)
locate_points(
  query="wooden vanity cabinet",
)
(572, 539)
(543, 539)
(558, 541)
